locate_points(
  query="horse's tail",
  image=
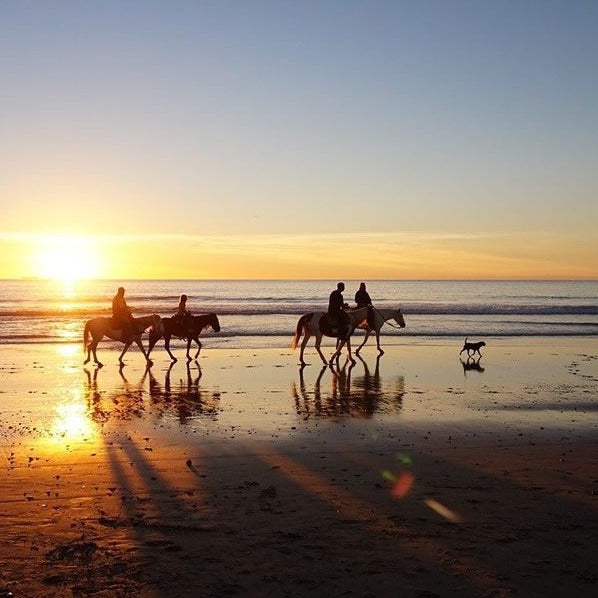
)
(300, 325)
(85, 336)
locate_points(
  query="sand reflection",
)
(148, 395)
(183, 396)
(471, 364)
(350, 389)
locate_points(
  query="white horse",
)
(308, 326)
(100, 327)
(380, 317)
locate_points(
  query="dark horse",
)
(187, 327)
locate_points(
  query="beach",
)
(415, 474)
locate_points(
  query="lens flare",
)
(442, 510)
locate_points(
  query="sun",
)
(68, 258)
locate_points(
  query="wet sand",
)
(411, 475)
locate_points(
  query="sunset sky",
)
(308, 139)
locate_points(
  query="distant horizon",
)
(273, 140)
(109, 279)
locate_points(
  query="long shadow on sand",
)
(334, 510)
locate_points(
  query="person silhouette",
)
(182, 309)
(182, 315)
(121, 313)
(362, 298)
(336, 310)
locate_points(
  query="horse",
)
(97, 328)
(187, 327)
(309, 325)
(359, 319)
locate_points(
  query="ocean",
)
(264, 313)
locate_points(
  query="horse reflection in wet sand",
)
(98, 328)
(183, 396)
(356, 396)
(309, 325)
(188, 328)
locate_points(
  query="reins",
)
(386, 321)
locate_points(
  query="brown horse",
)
(98, 328)
(187, 327)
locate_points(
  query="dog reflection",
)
(471, 364)
(356, 396)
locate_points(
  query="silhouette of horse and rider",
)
(123, 327)
(340, 322)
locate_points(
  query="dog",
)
(472, 348)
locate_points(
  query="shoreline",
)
(247, 475)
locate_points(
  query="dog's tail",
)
(466, 339)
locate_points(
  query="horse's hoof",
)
(150, 363)
(100, 365)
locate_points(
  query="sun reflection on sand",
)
(68, 350)
(71, 424)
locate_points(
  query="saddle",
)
(118, 323)
(330, 327)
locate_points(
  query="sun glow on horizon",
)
(68, 258)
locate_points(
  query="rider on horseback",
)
(121, 314)
(362, 298)
(182, 315)
(336, 311)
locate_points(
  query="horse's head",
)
(214, 323)
(399, 319)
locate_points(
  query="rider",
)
(336, 309)
(362, 298)
(121, 313)
(182, 313)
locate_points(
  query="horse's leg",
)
(191, 338)
(120, 357)
(140, 345)
(339, 347)
(167, 347)
(94, 346)
(196, 339)
(349, 351)
(365, 340)
(306, 337)
(318, 343)
(380, 351)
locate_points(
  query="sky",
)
(307, 139)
